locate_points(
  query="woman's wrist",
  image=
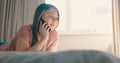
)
(42, 40)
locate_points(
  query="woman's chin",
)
(52, 30)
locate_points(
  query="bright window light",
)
(84, 16)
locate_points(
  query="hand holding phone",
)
(48, 27)
(44, 30)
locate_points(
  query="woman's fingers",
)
(45, 27)
(43, 31)
(49, 29)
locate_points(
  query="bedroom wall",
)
(102, 42)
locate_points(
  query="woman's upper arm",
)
(21, 45)
(22, 39)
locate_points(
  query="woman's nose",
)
(50, 22)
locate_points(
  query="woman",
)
(41, 35)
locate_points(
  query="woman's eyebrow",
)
(49, 13)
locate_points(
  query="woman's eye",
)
(50, 17)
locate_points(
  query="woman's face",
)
(51, 18)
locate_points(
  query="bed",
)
(73, 56)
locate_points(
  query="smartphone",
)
(45, 25)
(42, 20)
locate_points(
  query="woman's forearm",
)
(38, 46)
